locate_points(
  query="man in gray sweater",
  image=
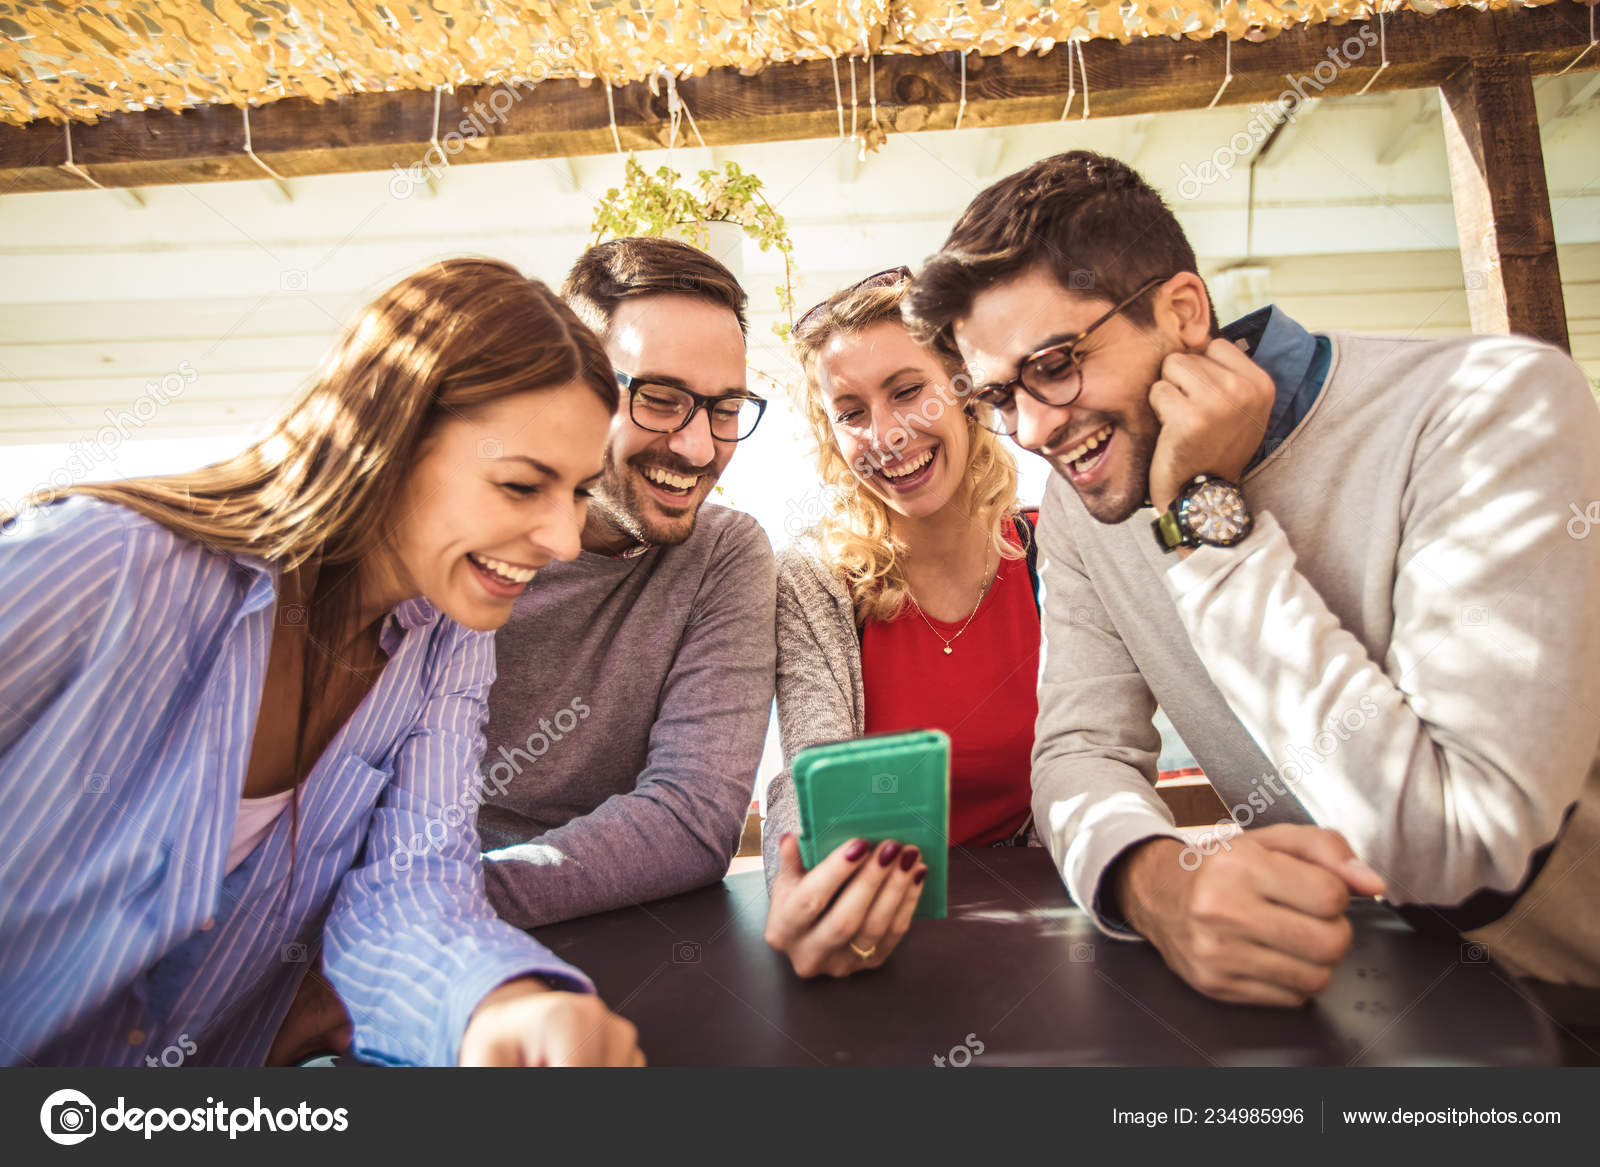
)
(1356, 571)
(634, 686)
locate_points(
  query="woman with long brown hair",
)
(912, 605)
(241, 708)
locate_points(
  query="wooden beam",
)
(380, 131)
(1502, 201)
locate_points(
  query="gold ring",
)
(863, 953)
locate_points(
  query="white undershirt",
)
(256, 817)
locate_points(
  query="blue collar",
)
(1296, 360)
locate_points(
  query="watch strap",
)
(1168, 531)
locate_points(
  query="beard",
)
(622, 500)
(1126, 489)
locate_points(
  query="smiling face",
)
(1102, 442)
(654, 483)
(894, 417)
(493, 496)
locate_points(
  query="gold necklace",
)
(987, 582)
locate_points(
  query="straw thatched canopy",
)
(82, 61)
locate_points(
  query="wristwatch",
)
(1209, 510)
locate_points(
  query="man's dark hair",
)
(619, 269)
(1098, 227)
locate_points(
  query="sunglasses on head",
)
(887, 278)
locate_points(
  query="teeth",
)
(910, 467)
(506, 571)
(668, 478)
(1092, 442)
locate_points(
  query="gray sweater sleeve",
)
(1095, 746)
(680, 825)
(818, 681)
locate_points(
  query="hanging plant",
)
(657, 205)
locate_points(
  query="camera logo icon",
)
(68, 1117)
(885, 783)
(1474, 953)
(685, 952)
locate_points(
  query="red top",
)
(983, 694)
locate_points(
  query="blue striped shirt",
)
(131, 665)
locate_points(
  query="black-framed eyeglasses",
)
(1051, 376)
(666, 409)
(887, 278)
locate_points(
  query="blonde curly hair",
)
(855, 536)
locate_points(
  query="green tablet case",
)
(887, 786)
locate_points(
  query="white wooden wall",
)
(100, 297)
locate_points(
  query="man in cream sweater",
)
(1356, 571)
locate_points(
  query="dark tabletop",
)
(1020, 974)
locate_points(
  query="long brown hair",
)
(855, 533)
(320, 487)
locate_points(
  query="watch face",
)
(1215, 513)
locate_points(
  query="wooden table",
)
(1017, 975)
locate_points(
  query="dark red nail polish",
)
(909, 859)
(886, 856)
(919, 876)
(857, 849)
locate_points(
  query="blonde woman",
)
(241, 708)
(911, 605)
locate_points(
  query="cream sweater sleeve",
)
(1448, 762)
(1095, 746)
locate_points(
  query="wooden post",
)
(1502, 201)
